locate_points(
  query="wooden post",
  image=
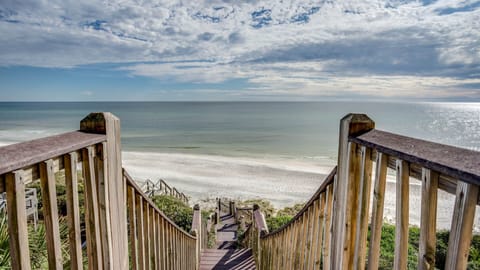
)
(401, 215)
(462, 224)
(350, 125)
(197, 229)
(50, 213)
(17, 221)
(107, 123)
(428, 220)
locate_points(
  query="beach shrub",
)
(176, 210)
(277, 221)
(290, 210)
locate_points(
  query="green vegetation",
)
(37, 245)
(176, 210)
(387, 248)
(283, 216)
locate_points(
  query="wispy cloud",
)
(322, 48)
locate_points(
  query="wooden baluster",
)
(140, 230)
(401, 215)
(131, 207)
(50, 214)
(151, 232)
(17, 221)
(163, 246)
(328, 226)
(364, 207)
(315, 232)
(288, 248)
(377, 212)
(307, 240)
(103, 201)
(298, 241)
(146, 225)
(279, 250)
(462, 225)
(428, 220)
(158, 260)
(73, 211)
(171, 251)
(94, 243)
(320, 217)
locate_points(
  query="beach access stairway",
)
(226, 254)
(123, 229)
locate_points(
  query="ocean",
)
(278, 151)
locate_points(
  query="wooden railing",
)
(156, 242)
(162, 188)
(24, 163)
(330, 232)
(302, 243)
(110, 237)
(257, 229)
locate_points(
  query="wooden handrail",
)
(449, 160)
(20, 155)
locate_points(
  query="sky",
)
(165, 50)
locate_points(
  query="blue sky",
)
(69, 50)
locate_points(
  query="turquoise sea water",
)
(245, 128)
(274, 150)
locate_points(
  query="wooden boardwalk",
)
(226, 255)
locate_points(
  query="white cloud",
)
(356, 45)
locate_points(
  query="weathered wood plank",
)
(50, 215)
(401, 216)
(462, 225)
(320, 216)
(92, 220)
(453, 161)
(152, 237)
(131, 206)
(158, 260)
(377, 212)
(101, 170)
(17, 221)
(20, 155)
(428, 221)
(326, 249)
(163, 246)
(303, 239)
(140, 231)
(314, 233)
(73, 211)
(351, 211)
(147, 240)
(364, 208)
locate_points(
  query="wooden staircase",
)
(226, 254)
